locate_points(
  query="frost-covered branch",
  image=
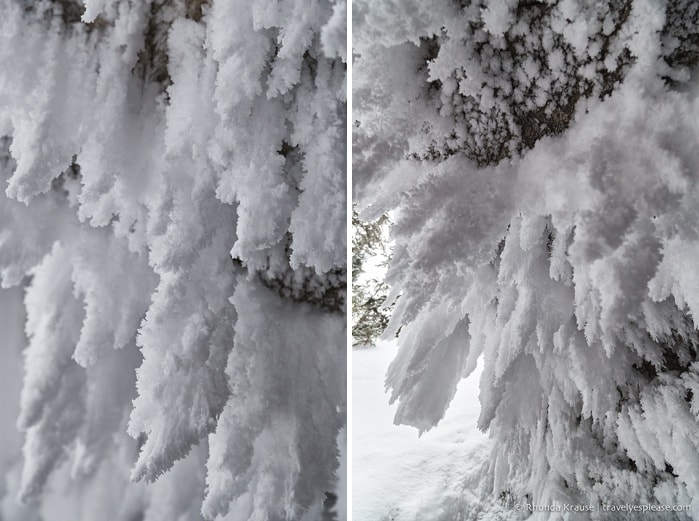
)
(540, 160)
(175, 174)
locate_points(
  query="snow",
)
(497, 17)
(549, 228)
(159, 159)
(400, 476)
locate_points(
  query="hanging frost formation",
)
(542, 165)
(174, 204)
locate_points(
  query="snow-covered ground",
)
(398, 476)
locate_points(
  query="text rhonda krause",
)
(601, 507)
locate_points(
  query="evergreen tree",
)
(540, 159)
(370, 313)
(175, 209)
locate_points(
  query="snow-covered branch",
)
(175, 208)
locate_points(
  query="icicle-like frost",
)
(541, 165)
(161, 158)
(271, 407)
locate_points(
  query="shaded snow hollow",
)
(398, 476)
